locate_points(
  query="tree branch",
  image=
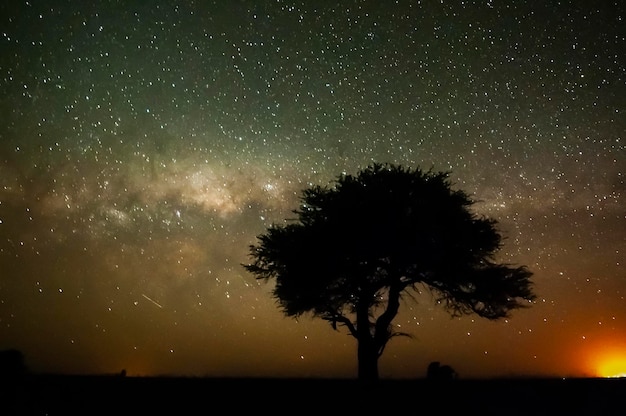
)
(336, 318)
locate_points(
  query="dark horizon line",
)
(511, 377)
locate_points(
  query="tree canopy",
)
(357, 246)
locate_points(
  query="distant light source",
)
(612, 366)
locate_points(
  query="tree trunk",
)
(371, 346)
(367, 352)
(368, 359)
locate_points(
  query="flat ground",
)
(115, 395)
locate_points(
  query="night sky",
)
(145, 144)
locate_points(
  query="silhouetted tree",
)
(436, 371)
(12, 364)
(357, 247)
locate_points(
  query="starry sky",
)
(145, 144)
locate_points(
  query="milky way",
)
(145, 145)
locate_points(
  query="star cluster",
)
(145, 145)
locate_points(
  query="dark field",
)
(116, 395)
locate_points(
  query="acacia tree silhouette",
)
(358, 246)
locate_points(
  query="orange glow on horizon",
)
(613, 366)
(609, 362)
